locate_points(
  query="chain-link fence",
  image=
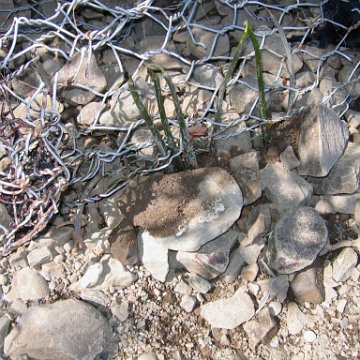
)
(67, 119)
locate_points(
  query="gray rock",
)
(245, 169)
(344, 204)
(184, 210)
(307, 286)
(87, 74)
(344, 177)
(121, 311)
(274, 288)
(18, 260)
(208, 75)
(183, 288)
(27, 284)
(5, 219)
(52, 271)
(285, 187)
(323, 138)
(295, 319)
(88, 113)
(212, 259)
(68, 329)
(38, 257)
(236, 263)
(4, 330)
(148, 356)
(153, 255)
(297, 239)
(187, 303)
(289, 159)
(94, 297)
(110, 211)
(261, 329)
(250, 253)
(92, 276)
(229, 313)
(194, 100)
(260, 220)
(344, 264)
(199, 284)
(249, 272)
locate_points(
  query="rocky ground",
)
(253, 255)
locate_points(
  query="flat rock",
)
(295, 319)
(88, 113)
(38, 257)
(289, 159)
(199, 284)
(153, 255)
(187, 303)
(212, 259)
(274, 288)
(285, 187)
(245, 169)
(344, 177)
(68, 329)
(343, 265)
(236, 263)
(228, 313)
(297, 239)
(185, 210)
(344, 204)
(323, 138)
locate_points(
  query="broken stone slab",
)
(183, 211)
(229, 313)
(289, 159)
(153, 255)
(344, 177)
(285, 187)
(212, 259)
(245, 169)
(40, 256)
(323, 139)
(81, 331)
(297, 239)
(236, 263)
(261, 329)
(259, 224)
(343, 265)
(80, 71)
(343, 204)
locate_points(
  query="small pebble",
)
(341, 305)
(309, 336)
(275, 308)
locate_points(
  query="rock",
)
(38, 257)
(120, 311)
(260, 220)
(250, 253)
(307, 286)
(341, 305)
(344, 177)
(309, 336)
(344, 204)
(289, 159)
(123, 243)
(229, 313)
(6, 220)
(297, 239)
(208, 75)
(343, 265)
(185, 210)
(18, 260)
(234, 139)
(183, 288)
(27, 284)
(276, 287)
(245, 169)
(284, 187)
(4, 330)
(52, 271)
(92, 275)
(80, 71)
(88, 113)
(188, 303)
(81, 332)
(236, 263)
(17, 307)
(194, 100)
(199, 284)
(148, 356)
(261, 329)
(249, 272)
(94, 297)
(275, 308)
(212, 259)
(153, 255)
(319, 148)
(295, 319)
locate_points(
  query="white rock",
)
(343, 264)
(309, 336)
(275, 308)
(92, 275)
(228, 313)
(344, 204)
(183, 288)
(341, 305)
(188, 303)
(39, 256)
(288, 158)
(296, 320)
(121, 311)
(199, 284)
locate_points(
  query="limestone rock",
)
(284, 187)
(228, 313)
(4, 330)
(236, 263)
(276, 287)
(185, 210)
(81, 332)
(344, 264)
(188, 303)
(295, 319)
(297, 239)
(88, 113)
(323, 138)
(288, 158)
(199, 284)
(208, 75)
(344, 204)
(39, 256)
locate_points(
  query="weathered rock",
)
(249, 272)
(199, 284)
(194, 100)
(92, 275)
(245, 169)
(18, 260)
(289, 159)
(261, 329)
(188, 303)
(344, 264)
(344, 177)
(284, 187)
(110, 212)
(212, 259)
(94, 297)
(183, 288)
(323, 138)
(260, 220)
(297, 239)
(307, 286)
(4, 330)
(208, 75)
(295, 319)
(228, 313)
(27, 284)
(121, 311)
(344, 204)
(40, 256)
(81, 332)
(87, 74)
(185, 210)
(236, 263)
(276, 287)
(153, 255)
(88, 113)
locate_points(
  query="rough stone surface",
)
(307, 286)
(188, 303)
(4, 330)
(323, 138)
(236, 263)
(40, 256)
(297, 239)
(260, 329)
(183, 210)
(212, 259)
(344, 204)
(288, 158)
(81, 332)
(153, 255)
(275, 288)
(343, 264)
(208, 75)
(88, 113)
(245, 169)
(199, 284)
(284, 187)
(344, 177)
(229, 313)
(295, 319)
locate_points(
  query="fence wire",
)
(45, 149)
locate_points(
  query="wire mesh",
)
(45, 148)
